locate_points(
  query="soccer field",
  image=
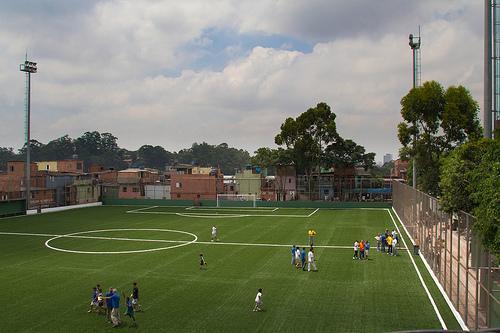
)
(50, 262)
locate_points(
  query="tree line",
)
(102, 149)
(441, 132)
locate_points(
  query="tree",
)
(435, 122)
(307, 136)
(154, 157)
(6, 154)
(470, 181)
(348, 154)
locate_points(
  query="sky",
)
(171, 73)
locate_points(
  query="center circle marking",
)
(47, 243)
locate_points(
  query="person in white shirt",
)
(214, 233)
(311, 261)
(394, 248)
(356, 248)
(258, 300)
(297, 257)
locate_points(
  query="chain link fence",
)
(469, 274)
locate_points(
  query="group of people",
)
(389, 240)
(109, 304)
(361, 250)
(299, 258)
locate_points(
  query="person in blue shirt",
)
(367, 249)
(130, 310)
(382, 241)
(108, 304)
(115, 308)
(303, 258)
(93, 299)
(293, 255)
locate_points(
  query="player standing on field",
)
(258, 301)
(203, 263)
(214, 233)
(311, 261)
(135, 298)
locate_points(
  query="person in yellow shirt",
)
(312, 234)
(389, 244)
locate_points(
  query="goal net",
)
(236, 200)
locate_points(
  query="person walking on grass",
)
(311, 261)
(394, 246)
(203, 262)
(367, 249)
(115, 311)
(389, 244)
(303, 258)
(258, 301)
(93, 300)
(214, 234)
(362, 249)
(293, 255)
(109, 307)
(135, 298)
(297, 257)
(130, 310)
(356, 248)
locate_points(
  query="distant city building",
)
(387, 158)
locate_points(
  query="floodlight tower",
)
(28, 67)
(491, 108)
(415, 47)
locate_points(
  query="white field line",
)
(169, 241)
(457, 315)
(141, 209)
(431, 299)
(275, 209)
(94, 237)
(313, 213)
(229, 210)
(282, 208)
(221, 215)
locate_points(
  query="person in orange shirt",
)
(362, 249)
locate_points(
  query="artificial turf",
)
(48, 291)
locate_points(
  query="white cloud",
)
(110, 73)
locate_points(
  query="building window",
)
(178, 195)
(124, 189)
(11, 168)
(135, 189)
(47, 167)
(79, 166)
(289, 180)
(178, 185)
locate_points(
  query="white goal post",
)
(236, 200)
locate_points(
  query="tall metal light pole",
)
(415, 47)
(28, 67)
(488, 89)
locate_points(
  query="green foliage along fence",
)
(13, 207)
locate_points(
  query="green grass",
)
(49, 291)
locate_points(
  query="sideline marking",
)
(313, 213)
(457, 314)
(141, 209)
(440, 318)
(183, 243)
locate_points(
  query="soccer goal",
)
(236, 200)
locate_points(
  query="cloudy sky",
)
(172, 73)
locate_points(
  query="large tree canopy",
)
(470, 181)
(435, 121)
(311, 141)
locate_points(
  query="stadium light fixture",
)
(28, 67)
